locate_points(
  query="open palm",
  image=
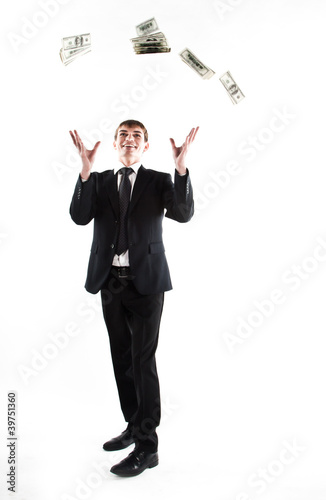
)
(87, 155)
(180, 152)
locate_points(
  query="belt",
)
(122, 272)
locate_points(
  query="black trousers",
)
(133, 322)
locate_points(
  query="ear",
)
(114, 145)
(146, 147)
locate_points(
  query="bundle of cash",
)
(193, 62)
(232, 88)
(74, 46)
(150, 40)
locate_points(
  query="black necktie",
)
(124, 200)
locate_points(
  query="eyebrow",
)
(134, 132)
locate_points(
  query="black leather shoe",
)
(135, 463)
(119, 443)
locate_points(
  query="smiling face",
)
(130, 144)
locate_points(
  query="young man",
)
(128, 265)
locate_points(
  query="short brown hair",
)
(132, 123)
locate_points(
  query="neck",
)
(128, 161)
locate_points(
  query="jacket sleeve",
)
(178, 197)
(83, 203)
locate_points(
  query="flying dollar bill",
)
(68, 56)
(76, 42)
(194, 63)
(232, 88)
(147, 27)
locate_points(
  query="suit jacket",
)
(153, 193)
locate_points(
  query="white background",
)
(228, 412)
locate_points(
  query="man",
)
(128, 265)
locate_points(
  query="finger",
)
(79, 141)
(172, 142)
(73, 138)
(190, 133)
(77, 136)
(97, 145)
(189, 138)
(194, 133)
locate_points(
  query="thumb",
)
(172, 142)
(97, 145)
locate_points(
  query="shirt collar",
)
(119, 165)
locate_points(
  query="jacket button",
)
(112, 246)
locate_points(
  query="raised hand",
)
(180, 153)
(87, 155)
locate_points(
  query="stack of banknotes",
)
(194, 63)
(74, 46)
(149, 40)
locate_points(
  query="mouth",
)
(128, 146)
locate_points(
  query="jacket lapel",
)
(142, 179)
(111, 188)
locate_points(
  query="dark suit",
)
(132, 309)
